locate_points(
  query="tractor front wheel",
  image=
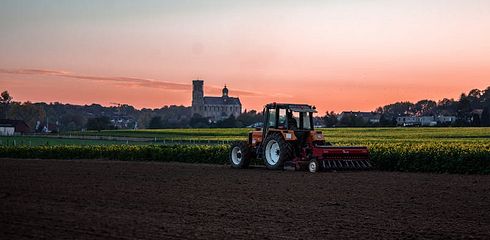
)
(276, 152)
(240, 155)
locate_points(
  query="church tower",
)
(197, 96)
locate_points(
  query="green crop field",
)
(54, 141)
(407, 135)
(334, 135)
(347, 136)
(227, 134)
(454, 150)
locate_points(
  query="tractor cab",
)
(289, 116)
(293, 121)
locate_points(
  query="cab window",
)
(306, 120)
(282, 118)
(295, 120)
(272, 118)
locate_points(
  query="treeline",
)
(68, 117)
(57, 116)
(471, 109)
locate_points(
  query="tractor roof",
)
(293, 107)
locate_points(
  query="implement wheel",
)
(313, 166)
(276, 151)
(240, 155)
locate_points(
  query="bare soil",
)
(92, 199)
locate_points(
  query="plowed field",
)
(93, 199)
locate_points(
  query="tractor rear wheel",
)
(240, 155)
(276, 151)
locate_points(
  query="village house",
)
(406, 121)
(10, 127)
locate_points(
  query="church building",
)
(214, 108)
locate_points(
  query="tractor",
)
(289, 140)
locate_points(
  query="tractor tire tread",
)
(286, 151)
(246, 154)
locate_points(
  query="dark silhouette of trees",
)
(5, 100)
(198, 121)
(471, 109)
(467, 108)
(386, 121)
(229, 122)
(425, 107)
(351, 120)
(330, 119)
(29, 112)
(155, 123)
(485, 117)
(248, 118)
(399, 109)
(99, 124)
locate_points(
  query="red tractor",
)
(288, 139)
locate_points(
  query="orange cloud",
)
(132, 81)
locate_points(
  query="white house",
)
(7, 130)
(10, 127)
(424, 120)
(427, 121)
(407, 121)
(446, 119)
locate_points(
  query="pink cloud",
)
(132, 81)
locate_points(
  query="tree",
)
(72, 122)
(155, 123)
(5, 100)
(99, 124)
(485, 117)
(28, 112)
(463, 110)
(229, 122)
(399, 109)
(385, 121)
(425, 107)
(351, 120)
(249, 118)
(447, 106)
(476, 122)
(5, 97)
(330, 119)
(144, 117)
(197, 121)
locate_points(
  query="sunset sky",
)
(337, 55)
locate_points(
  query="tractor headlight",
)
(289, 136)
(319, 137)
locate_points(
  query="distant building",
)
(445, 119)
(214, 108)
(10, 127)
(407, 121)
(427, 121)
